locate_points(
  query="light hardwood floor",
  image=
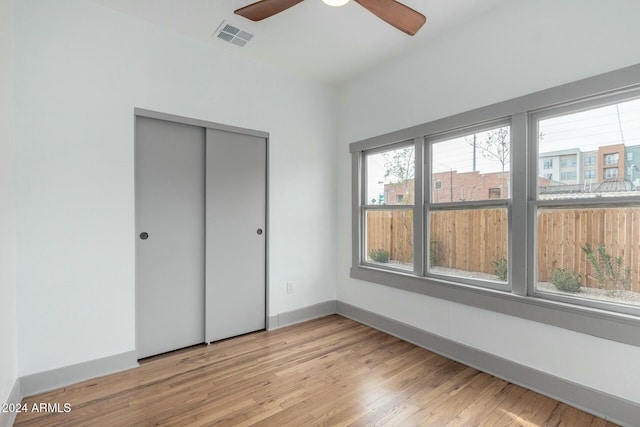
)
(331, 371)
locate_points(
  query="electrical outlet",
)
(289, 287)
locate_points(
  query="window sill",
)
(623, 328)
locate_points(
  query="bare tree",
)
(400, 165)
(400, 169)
(495, 147)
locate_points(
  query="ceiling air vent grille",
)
(231, 34)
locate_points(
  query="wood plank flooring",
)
(331, 372)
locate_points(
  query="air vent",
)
(232, 34)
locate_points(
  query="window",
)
(494, 193)
(586, 248)
(470, 244)
(388, 207)
(629, 156)
(610, 173)
(611, 159)
(544, 242)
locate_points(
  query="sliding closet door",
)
(170, 206)
(235, 234)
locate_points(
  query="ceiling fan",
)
(397, 14)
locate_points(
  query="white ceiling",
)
(330, 44)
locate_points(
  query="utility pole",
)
(474, 152)
(620, 124)
(451, 184)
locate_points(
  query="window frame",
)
(521, 301)
(607, 175)
(609, 159)
(612, 98)
(430, 206)
(568, 175)
(365, 206)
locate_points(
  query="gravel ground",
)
(624, 297)
(462, 273)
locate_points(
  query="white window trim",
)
(596, 319)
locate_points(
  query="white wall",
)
(519, 48)
(80, 71)
(8, 325)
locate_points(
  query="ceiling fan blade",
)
(265, 8)
(397, 14)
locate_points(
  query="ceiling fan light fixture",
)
(393, 12)
(336, 2)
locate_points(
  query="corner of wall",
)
(8, 299)
(15, 397)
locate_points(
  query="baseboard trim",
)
(7, 418)
(50, 380)
(604, 405)
(302, 314)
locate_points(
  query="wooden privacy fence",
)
(562, 233)
(469, 240)
(393, 232)
(472, 239)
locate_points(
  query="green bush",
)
(608, 271)
(434, 255)
(565, 280)
(379, 255)
(501, 269)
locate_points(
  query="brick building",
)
(467, 186)
(456, 187)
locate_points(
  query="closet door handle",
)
(144, 235)
(259, 231)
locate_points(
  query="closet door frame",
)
(140, 112)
